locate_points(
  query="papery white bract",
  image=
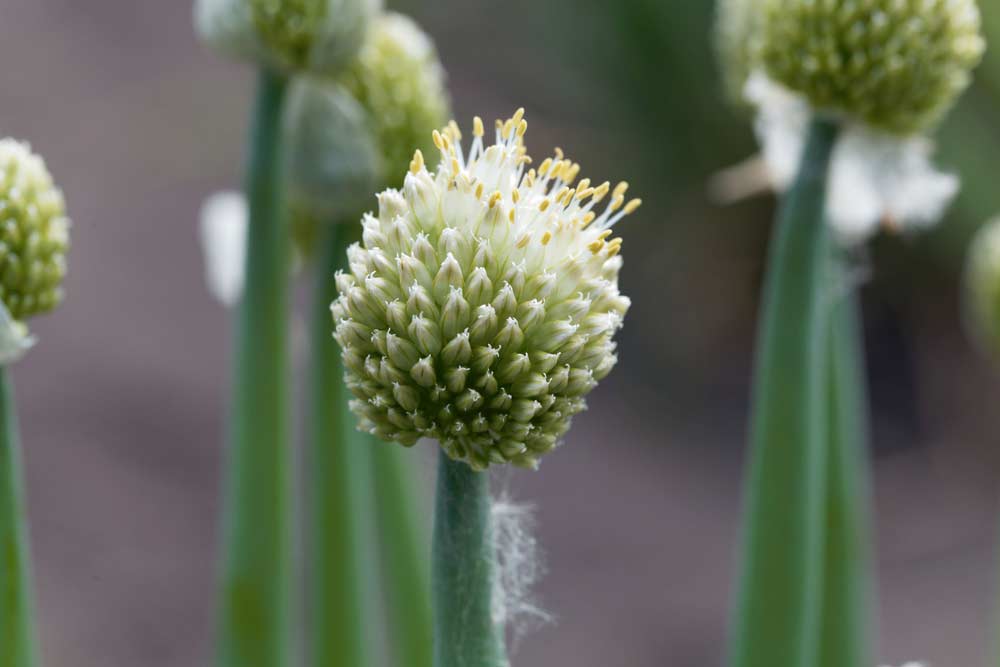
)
(875, 178)
(223, 231)
(15, 340)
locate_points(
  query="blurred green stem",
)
(405, 558)
(339, 461)
(254, 624)
(464, 570)
(777, 614)
(17, 631)
(845, 638)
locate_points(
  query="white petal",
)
(874, 177)
(15, 340)
(224, 220)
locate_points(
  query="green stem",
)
(254, 624)
(464, 570)
(405, 557)
(777, 613)
(17, 631)
(845, 639)
(339, 458)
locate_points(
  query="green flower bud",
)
(495, 319)
(399, 80)
(897, 65)
(320, 36)
(333, 160)
(982, 286)
(34, 233)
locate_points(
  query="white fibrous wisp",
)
(520, 568)
(876, 179)
(223, 231)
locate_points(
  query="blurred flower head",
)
(400, 82)
(895, 65)
(319, 36)
(479, 309)
(34, 239)
(332, 154)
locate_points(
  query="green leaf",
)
(17, 623)
(254, 623)
(777, 612)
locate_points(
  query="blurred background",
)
(122, 405)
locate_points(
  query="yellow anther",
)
(604, 235)
(524, 240)
(454, 166)
(616, 203)
(544, 206)
(508, 129)
(614, 247)
(455, 131)
(495, 198)
(529, 178)
(479, 191)
(522, 127)
(518, 115)
(572, 172)
(589, 218)
(583, 184)
(596, 246)
(562, 193)
(477, 127)
(524, 159)
(583, 193)
(418, 162)
(621, 189)
(515, 195)
(568, 197)
(546, 165)
(546, 237)
(499, 124)
(559, 153)
(632, 205)
(438, 140)
(511, 215)
(601, 191)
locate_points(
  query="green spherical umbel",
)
(896, 65)
(399, 80)
(480, 307)
(318, 36)
(34, 233)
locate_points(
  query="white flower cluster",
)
(480, 308)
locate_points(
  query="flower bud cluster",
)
(34, 233)
(480, 307)
(399, 80)
(896, 65)
(319, 36)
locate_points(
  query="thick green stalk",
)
(17, 626)
(777, 612)
(405, 559)
(845, 639)
(254, 624)
(339, 462)
(464, 570)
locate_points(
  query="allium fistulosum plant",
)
(845, 93)
(34, 239)
(282, 39)
(479, 311)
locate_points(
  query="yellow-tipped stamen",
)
(417, 163)
(632, 206)
(477, 127)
